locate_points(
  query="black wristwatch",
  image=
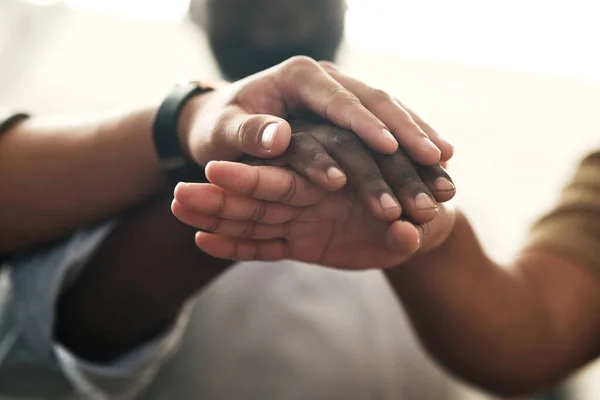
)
(173, 161)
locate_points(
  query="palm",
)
(341, 232)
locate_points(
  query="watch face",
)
(248, 36)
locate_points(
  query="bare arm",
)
(510, 330)
(58, 174)
(135, 285)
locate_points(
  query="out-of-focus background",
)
(515, 85)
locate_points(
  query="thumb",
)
(259, 135)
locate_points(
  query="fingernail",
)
(388, 136)
(424, 202)
(443, 185)
(387, 202)
(333, 174)
(268, 136)
(430, 145)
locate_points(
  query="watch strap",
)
(171, 156)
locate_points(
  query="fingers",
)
(242, 249)
(212, 201)
(264, 183)
(308, 157)
(417, 201)
(230, 228)
(387, 183)
(445, 147)
(436, 232)
(305, 84)
(403, 237)
(411, 132)
(438, 181)
(406, 238)
(258, 135)
(362, 170)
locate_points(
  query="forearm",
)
(135, 285)
(501, 328)
(59, 174)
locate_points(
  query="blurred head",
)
(248, 36)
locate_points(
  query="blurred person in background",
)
(247, 36)
(97, 276)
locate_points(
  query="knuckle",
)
(248, 230)
(306, 150)
(254, 184)
(345, 141)
(340, 137)
(340, 102)
(221, 207)
(214, 226)
(381, 96)
(371, 176)
(319, 158)
(300, 140)
(340, 94)
(297, 65)
(259, 214)
(328, 65)
(302, 62)
(289, 192)
(403, 176)
(407, 182)
(243, 133)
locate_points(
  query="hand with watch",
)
(247, 119)
(199, 123)
(89, 168)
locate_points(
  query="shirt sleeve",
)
(30, 284)
(572, 228)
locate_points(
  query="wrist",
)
(175, 131)
(188, 118)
